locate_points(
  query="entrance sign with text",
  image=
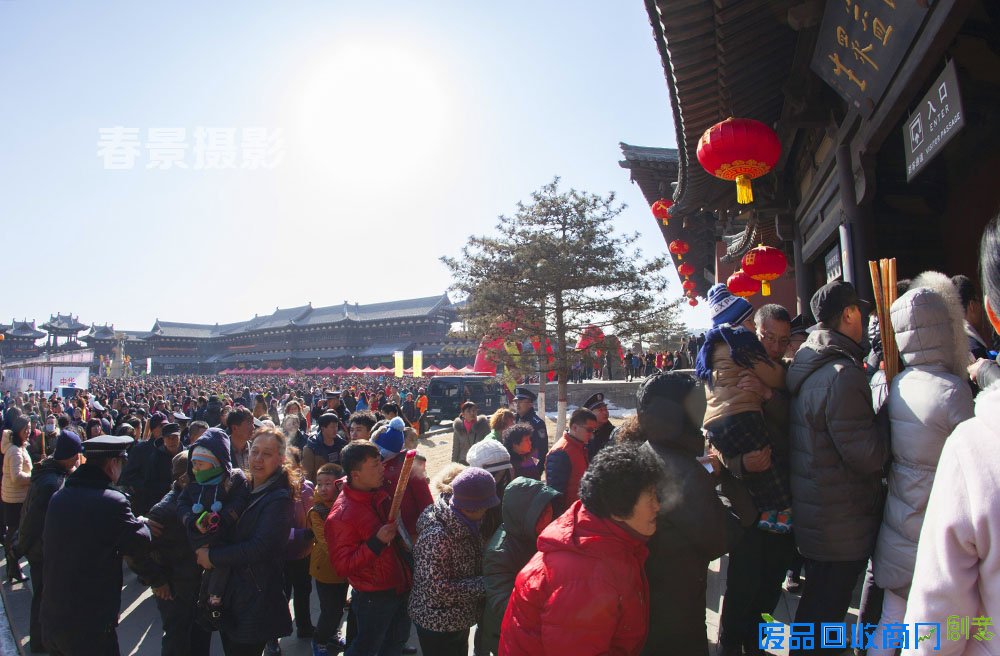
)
(936, 120)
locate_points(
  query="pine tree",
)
(552, 268)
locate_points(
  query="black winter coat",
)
(88, 528)
(694, 527)
(254, 599)
(147, 476)
(46, 479)
(171, 550)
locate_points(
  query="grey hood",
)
(929, 325)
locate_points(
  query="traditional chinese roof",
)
(105, 332)
(63, 323)
(24, 330)
(306, 315)
(654, 170)
(721, 58)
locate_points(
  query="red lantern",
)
(689, 286)
(764, 263)
(739, 149)
(693, 302)
(685, 270)
(678, 247)
(661, 210)
(740, 284)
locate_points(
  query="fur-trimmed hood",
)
(929, 324)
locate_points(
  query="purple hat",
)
(156, 419)
(474, 489)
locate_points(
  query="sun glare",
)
(372, 105)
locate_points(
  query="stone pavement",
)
(139, 629)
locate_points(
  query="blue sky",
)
(404, 128)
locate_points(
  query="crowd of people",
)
(787, 449)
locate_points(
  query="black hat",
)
(180, 416)
(524, 394)
(327, 418)
(833, 298)
(800, 325)
(156, 419)
(171, 428)
(107, 446)
(595, 401)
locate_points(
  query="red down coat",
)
(583, 593)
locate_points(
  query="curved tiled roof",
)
(63, 323)
(306, 315)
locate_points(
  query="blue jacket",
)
(254, 599)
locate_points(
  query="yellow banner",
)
(398, 363)
(418, 364)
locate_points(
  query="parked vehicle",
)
(446, 394)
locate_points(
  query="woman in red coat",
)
(585, 591)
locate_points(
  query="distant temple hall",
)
(299, 338)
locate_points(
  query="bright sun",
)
(372, 105)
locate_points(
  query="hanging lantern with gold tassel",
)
(679, 247)
(661, 210)
(764, 263)
(739, 149)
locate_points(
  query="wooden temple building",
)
(887, 114)
(299, 338)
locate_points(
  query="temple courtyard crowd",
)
(787, 449)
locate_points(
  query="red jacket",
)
(584, 592)
(369, 564)
(416, 497)
(564, 468)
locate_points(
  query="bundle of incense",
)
(404, 478)
(883, 274)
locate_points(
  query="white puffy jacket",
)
(927, 400)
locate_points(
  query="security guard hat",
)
(524, 394)
(107, 446)
(595, 401)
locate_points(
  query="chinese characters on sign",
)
(121, 148)
(937, 118)
(861, 44)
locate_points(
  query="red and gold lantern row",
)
(678, 247)
(661, 210)
(689, 286)
(685, 270)
(693, 302)
(764, 263)
(739, 149)
(743, 285)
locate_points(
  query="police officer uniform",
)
(88, 528)
(601, 436)
(539, 434)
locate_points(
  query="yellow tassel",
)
(679, 257)
(666, 221)
(765, 288)
(744, 193)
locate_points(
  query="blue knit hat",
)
(727, 308)
(390, 440)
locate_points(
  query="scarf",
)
(211, 476)
(744, 348)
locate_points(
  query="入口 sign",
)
(937, 119)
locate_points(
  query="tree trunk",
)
(561, 368)
(543, 375)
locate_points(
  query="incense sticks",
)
(404, 478)
(883, 274)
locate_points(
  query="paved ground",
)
(139, 631)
